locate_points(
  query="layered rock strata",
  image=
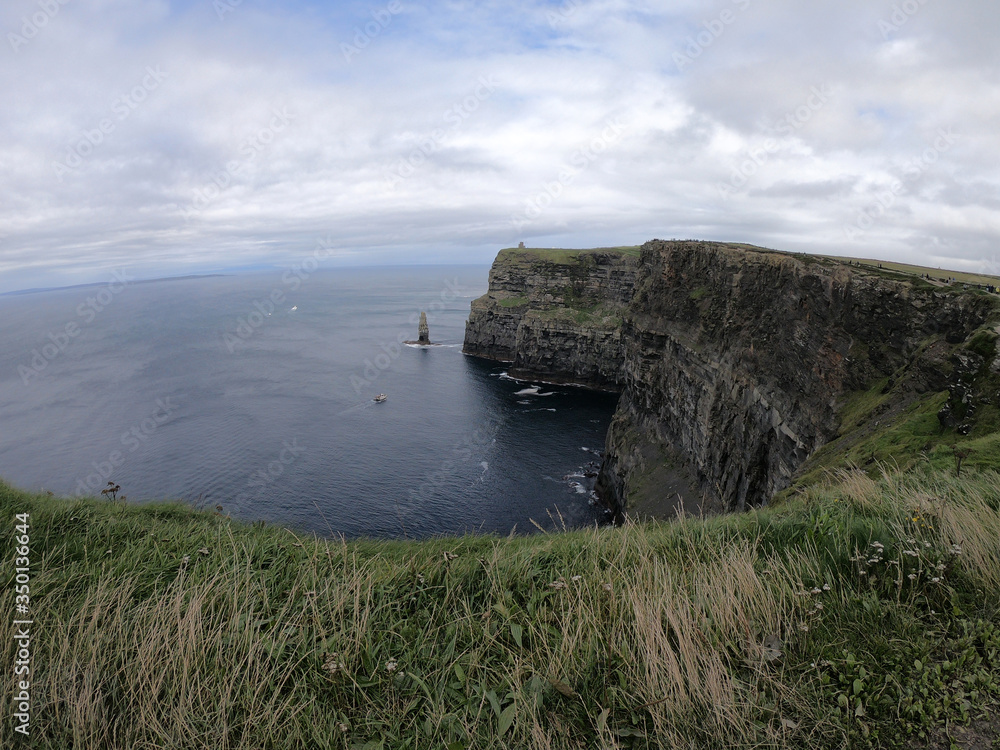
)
(732, 361)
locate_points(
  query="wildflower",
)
(935, 579)
(186, 559)
(449, 556)
(332, 664)
(826, 586)
(819, 605)
(910, 552)
(862, 572)
(939, 566)
(927, 544)
(817, 591)
(874, 560)
(560, 584)
(390, 666)
(342, 727)
(804, 628)
(955, 550)
(420, 577)
(576, 578)
(606, 586)
(878, 545)
(912, 576)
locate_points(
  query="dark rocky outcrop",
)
(556, 315)
(732, 361)
(423, 330)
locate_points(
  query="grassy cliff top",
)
(562, 255)
(862, 612)
(886, 268)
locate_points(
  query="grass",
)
(513, 302)
(792, 626)
(563, 256)
(936, 274)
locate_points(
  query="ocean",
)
(253, 392)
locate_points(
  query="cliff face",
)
(556, 315)
(732, 361)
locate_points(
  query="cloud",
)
(178, 136)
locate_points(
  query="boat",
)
(380, 398)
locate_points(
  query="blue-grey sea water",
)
(254, 392)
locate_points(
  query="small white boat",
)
(380, 398)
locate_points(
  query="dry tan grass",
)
(223, 655)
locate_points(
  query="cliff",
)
(734, 363)
(556, 314)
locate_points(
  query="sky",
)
(169, 137)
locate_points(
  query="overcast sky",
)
(178, 136)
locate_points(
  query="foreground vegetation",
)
(860, 613)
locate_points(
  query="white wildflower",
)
(390, 666)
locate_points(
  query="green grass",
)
(564, 256)
(697, 294)
(936, 274)
(513, 302)
(158, 626)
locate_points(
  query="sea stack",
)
(423, 332)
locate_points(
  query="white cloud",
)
(403, 154)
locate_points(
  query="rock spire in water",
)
(423, 332)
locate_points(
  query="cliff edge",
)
(737, 365)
